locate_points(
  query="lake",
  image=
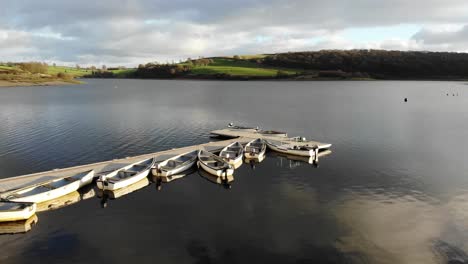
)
(393, 190)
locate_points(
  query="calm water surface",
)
(394, 190)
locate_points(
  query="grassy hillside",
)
(123, 73)
(70, 70)
(19, 74)
(239, 67)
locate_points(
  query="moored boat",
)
(255, 149)
(125, 176)
(273, 133)
(176, 165)
(16, 211)
(214, 164)
(292, 149)
(232, 153)
(115, 194)
(51, 189)
(232, 126)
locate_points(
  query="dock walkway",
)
(252, 133)
(243, 136)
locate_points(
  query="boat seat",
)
(228, 154)
(170, 165)
(250, 148)
(49, 186)
(234, 149)
(69, 179)
(125, 174)
(128, 171)
(184, 158)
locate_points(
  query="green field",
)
(238, 68)
(3, 67)
(70, 70)
(123, 73)
(54, 70)
(221, 67)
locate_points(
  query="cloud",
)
(134, 31)
(446, 38)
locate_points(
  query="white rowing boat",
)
(115, 194)
(232, 153)
(50, 190)
(292, 149)
(125, 176)
(214, 164)
(16, 211)
(176, 165)
(232, 126)
(273, 133)
(255, 149)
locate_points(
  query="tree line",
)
(375, 63)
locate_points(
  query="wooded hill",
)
(325, 64)
(378, 64)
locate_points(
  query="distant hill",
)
(311, 65)
(36, 73)
(234, 68)
(314, 65)
(379, 64)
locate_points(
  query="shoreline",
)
(244, 78)
(7, 84)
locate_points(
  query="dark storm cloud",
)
(133, 31)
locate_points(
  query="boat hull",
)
(50, 195)
(237, 160)
(167, 173)
(254, 155)
(18, 215)
(303, 153)
(238, 156)
(219, 173)
(54, 193)
(110, 185)
(106, 182)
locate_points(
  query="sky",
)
(130, 32)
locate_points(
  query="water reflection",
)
(292, 161)
(167, 179)
(159, 181)
(84, 193)
(16, 227)
(105, 195)
(394, 229)
(224, 181)
(66, 200)
(253, 162)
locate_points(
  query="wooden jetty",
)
(241, 135)
(252, 133)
